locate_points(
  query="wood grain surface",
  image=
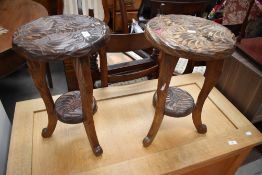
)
(60, 37)
(12, 15)
(15, 13)
(178, 149)
(190, 37)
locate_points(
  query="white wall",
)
(5, 129)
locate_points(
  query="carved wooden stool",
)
(193, 38)
(58, 38)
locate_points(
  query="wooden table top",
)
(14, 14)
(123, 118)
(190, 37)
(60, 37)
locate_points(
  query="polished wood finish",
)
(12, 15)
(15, 13)
(120, 19)
(59, 7)
(193, 38)
(63, 37)
(131, 70)
(178, 149)
(123, 15)
(106, 11)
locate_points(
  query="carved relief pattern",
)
(179, 103)
(61, 36)
(189, 34)
(69, 107)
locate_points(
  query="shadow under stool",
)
(63, 37)
(196, 39)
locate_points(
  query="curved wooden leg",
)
(38, 72)
(83, 74)
(167, 67)
(214, 69)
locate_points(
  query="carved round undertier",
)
(60, 37)
(179, 103)
(190, 37)
(69, 107)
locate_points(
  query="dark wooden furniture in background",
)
(54, 7)
(120, 43)
(189, 37)
(12, 15)
(128, 70)
(123, 43)
(251, 46)
(49, 5)
(241, 83)
(185, 7)
(57, 38)
(131, 6)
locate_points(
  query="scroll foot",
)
(201, 129)
(147, 141)
(46, 133)
(98, 151)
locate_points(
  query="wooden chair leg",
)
(189, 67)
(84, 77)
(213, 71)
(155, 56)
(49, 76)
(94, 68)
(38, 72)
(103, 67)
(167, 66)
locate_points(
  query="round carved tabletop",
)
(69, 107)
(60, 37)
(190, 37)
(179, 103)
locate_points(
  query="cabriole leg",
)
(214, 69)
(38, 72)
(83, 74)
(167, 66)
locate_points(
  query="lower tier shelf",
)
(69, 107)
(179, 103)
